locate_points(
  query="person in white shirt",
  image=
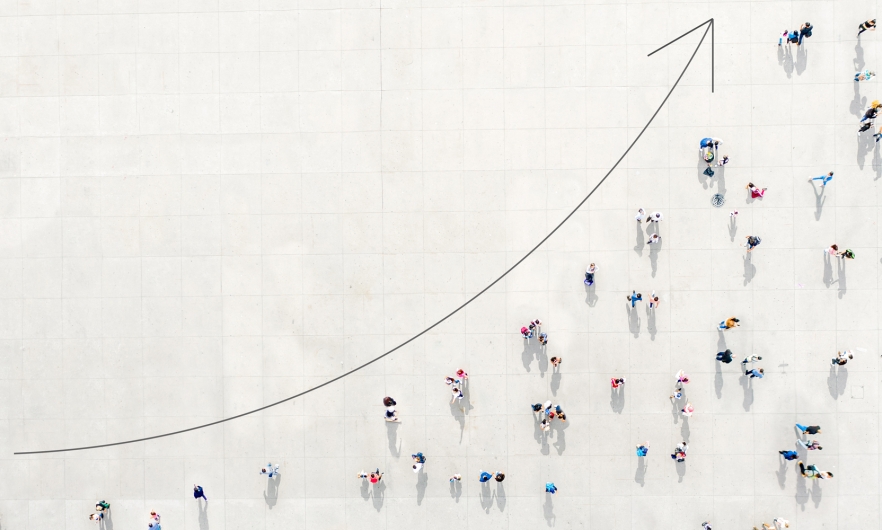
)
(655, 217)
(641, 213)
(781, 523)
(270, 470)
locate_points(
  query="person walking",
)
(870, 114)
(723, 161)
(687, 410)
(847, 254)
(752, 243)
(419, 460)
(811, 429)
(526, 333)
(543, 339)
(389, 402)
(752, 359)
(485, 477)
(462, 375)
(810, 445)
(154, 517)
(457, 394)
(375, 476)
(864, 75)
(706, 526)
(655, 217)
(101, 506)
(781, 523)
(634, 297)
(535, 325)
(755, 193)
(682, 378)
(823, 178)
(729, 323)
(617, 381)
(641, 213)
(545, 425)
(199, 492)
(653, 301)
(589, 274)
(808, 471)
(789, 455)
(643, 449)
(754, 373)
(555, 361)
(832, 250)
(499, 476)
(677, 395)
(878, 135)
(391, 415)
(842, 358)
(805, 31)
(154, 526)
(869, 24)
(96, 517)
(653, 239)
(270, 470)
(679, 453)
(537, 407)
(550, 488)
(725, 356)
(456, 477)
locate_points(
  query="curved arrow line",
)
(423, 332)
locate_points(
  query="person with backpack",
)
(864, 75)
(100, 506)
(847, 254)
(752, 242)
(725, 356)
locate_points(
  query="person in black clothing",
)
(870, 114)
(870, 24)
(866, 126)
(805, 31)
(811, 429)
(199, 492)
(725, 356)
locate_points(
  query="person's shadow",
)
(785, 58)
(858, 57)
(548, 509)
(684, 429)
(840, 268)
(108, 520)
(531, 350)
(555, 381)
(702, 167)
(828, 270)
(617, 399)
(455, 490)
(817, 492)
(653, 254)
(271, 495)
(392, 435)
(748, 391)
(633, 319)
(486, 497)
(877, 161)
(203, 515)
(782, 473)
(422, 482)
(801, 491)
(590, 297)
(641, 239)
(858, 103)
(379, 495)
(718, 380)
(865, 142)
(820, 199)
(650, 322)
(681, 471)
(749, 269)
(560, 442)
(801, 58)
(500, 496)
(733, 227)
(640, 475)
(836, 381)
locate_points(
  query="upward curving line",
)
(709, 23)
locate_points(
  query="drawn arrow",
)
(709, 23)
